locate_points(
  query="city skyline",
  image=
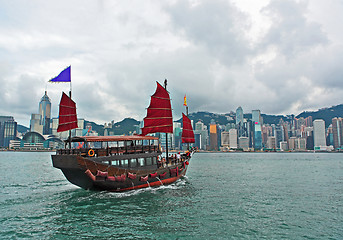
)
(46, 96)
(278, 56)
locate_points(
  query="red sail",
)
(187, 131)
(67, 119)
(159, 115)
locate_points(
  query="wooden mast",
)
(165, 87)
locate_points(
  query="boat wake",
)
(153, 190)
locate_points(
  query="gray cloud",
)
(204, 48)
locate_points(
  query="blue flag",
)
(64, 76)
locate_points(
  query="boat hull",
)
(82, 172)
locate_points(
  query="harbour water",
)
(224, 196)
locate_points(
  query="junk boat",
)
(122, 163)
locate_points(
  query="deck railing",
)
(108, 151)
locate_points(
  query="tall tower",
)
(45, 113)
(337, 132)
(257, 124)
(319, 133)
(239, 116)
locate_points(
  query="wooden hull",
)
(82, 172)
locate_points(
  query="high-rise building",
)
(8, 130)
(244, 143)
(271, 142)
(256, 116)
(225, 139)
(41, 122)
(233, 138)
(45, 113)
(257, 123)
(202, 133)
(239, 116)
(213, 137)
(319, 133)
(337, 132)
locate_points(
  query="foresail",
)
(187, 130)
(159, 114)
(67, 119)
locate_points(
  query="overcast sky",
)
(280, 56)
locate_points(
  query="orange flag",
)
(185, 101)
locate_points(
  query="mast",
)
(70, 129)
(165, 87)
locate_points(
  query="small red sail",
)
(159, 115)
(67, 119)
(187, 130)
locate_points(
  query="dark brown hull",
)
(82, 172)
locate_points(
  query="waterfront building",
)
(8, 130)
(225, 140)
(233, 138)
(284, 146)
(337, 132)
(271, 142)
(291, 143)
(319, 133)
(201, 130)
(301, 144)
(213, 137)
(243, 143)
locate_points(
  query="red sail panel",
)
(159, 114)
(67, 119)
(187, 130)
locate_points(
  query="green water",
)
(224, 196)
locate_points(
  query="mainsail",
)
(159, 114)
(187, 130)
(67, 119)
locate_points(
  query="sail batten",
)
(187, 130)
(159, 113)
(67, 119)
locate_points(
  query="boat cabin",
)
(99, 146)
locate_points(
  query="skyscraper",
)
(337, 132)
(45, 113)
(8, 130)
(319, 133)
(239, 116)
(213, 137)
(257, 123)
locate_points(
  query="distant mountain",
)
(124, 127)
(96, 127)
(327, 114)
(206, 118)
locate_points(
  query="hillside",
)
(327, 114)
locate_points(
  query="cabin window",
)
(115, 163)
(125, 163)
(149, 161)
(141, 162)
(154, 161)
(133, 162)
